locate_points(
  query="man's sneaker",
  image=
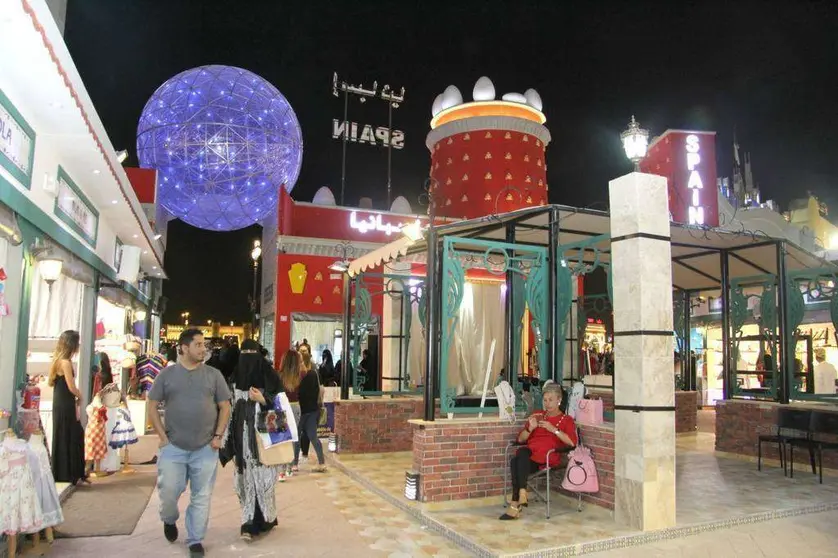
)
(196, 550)
(281, 477)
(170, 531)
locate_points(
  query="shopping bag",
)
(274, 438)
(580, 475)
(589, 412)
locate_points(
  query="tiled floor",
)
(319, 515)
(711, 489)
(811, 535)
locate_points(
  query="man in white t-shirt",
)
(825, 374)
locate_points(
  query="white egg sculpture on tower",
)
(515, 98)
(533, 99)
(484, 90)
(437, 106)
(451, 97)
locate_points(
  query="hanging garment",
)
(20, 508)
(123, 433)
(148, 367)
(95, 441)
(44, 482)
(577, 394)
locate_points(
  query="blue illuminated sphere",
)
(223, 140)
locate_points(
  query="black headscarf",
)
(252, 371)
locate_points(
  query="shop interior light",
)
(257, 250)
(341, 266)
(635, 142)
(121, 156)
(140, 315)
(51, 269)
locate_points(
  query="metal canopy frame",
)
(703, 259)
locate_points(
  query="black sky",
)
(766, 69)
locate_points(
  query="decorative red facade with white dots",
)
(487, 156)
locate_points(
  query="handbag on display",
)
(580, 475)
(506, 401)
(274, 439)
(589, 412)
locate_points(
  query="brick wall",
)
(740, 423)
(376, 425)
(686, 411)
(464, 458)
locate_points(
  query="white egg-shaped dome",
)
(401, 205)
(365, 203)
(484, 90)
(436, 108)
(324, 196)
(533, 99)
(451, 97)
(515, 98)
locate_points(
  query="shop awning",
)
(387, 253)
(696, 252)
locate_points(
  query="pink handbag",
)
(590, 412)
(580, 475)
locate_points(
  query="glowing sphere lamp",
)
(223, 140)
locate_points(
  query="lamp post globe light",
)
(255, 254)
(635, 142)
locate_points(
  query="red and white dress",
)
(95, 440)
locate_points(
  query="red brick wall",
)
(465, 459)
(373, 426)
(462, 459)
(686, 411)
(739, 424)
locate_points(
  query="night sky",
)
(765, 69)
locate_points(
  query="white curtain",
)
(54, 310)
(481, 319)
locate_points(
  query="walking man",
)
(197, 404)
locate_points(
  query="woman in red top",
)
(546, 430)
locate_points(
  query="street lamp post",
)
(255, 254)
(635, 142)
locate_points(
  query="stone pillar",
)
(644, 389)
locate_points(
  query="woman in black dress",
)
(67, 433)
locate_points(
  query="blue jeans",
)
(175, 467)
(307, 428)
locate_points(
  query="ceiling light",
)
(50, 269)
(96, 171)
(136, 236)
(145, 252)
(154, 267)
(115, 202)
(121, 156)
(341, 266)
(158, 236)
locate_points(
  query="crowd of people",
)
(218, 423)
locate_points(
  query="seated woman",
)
(546, 430)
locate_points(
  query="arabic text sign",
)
(16, 143)
(72, 205)
(375, 223)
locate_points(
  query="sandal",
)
(512, 512)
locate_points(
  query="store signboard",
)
(17, 142)
(75, 210)
(687, 159)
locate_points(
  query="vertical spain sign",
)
(687, 159)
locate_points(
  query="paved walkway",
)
(331, 515)
(809, 536)
(319, 515)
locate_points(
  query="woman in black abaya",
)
(254, 381)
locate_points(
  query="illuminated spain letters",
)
(694, 183)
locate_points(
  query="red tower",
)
(488, 155)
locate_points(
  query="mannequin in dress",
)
(19, 502)
(44, 486)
